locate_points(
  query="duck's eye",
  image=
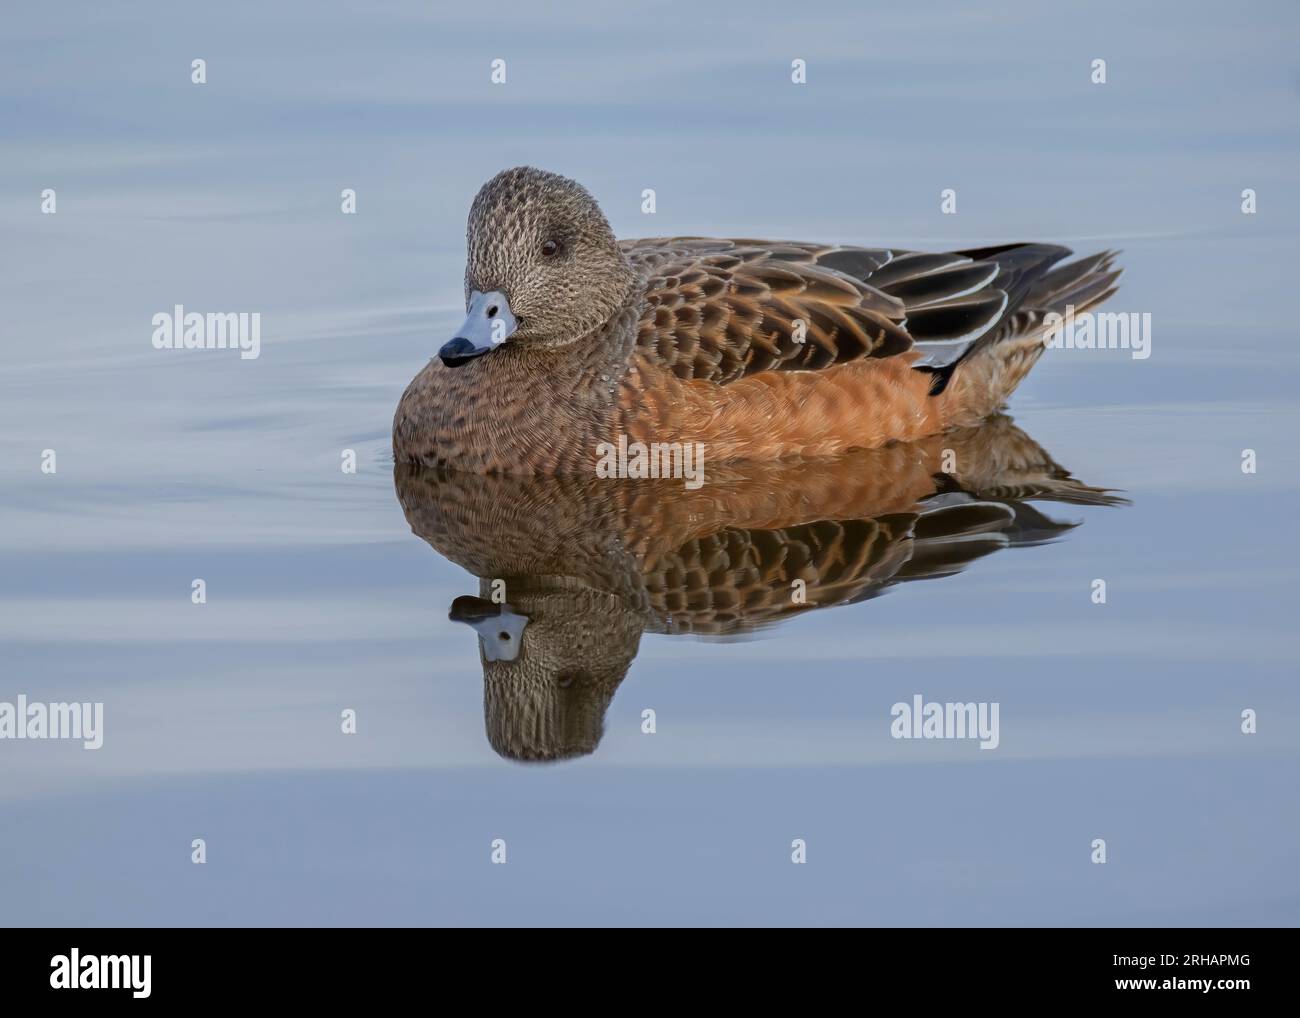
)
(550, 249)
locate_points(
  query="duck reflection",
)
(574, 570)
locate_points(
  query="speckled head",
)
(551, 665)
(543, 266)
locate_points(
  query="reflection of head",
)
(549, 702)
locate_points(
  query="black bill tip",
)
(468, 608)
(460, 351)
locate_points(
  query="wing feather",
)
(721, 310)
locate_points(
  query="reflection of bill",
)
(588, 565)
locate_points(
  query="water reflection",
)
(572, 571)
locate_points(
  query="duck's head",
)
(543, 267)
(552, 659)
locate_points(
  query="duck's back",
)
(771, 348)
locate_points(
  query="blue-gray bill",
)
(500, 628)
(488, 324)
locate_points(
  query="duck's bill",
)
(500, 628)
(488, 325)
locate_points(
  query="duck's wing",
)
(724, 309)
(737, 581)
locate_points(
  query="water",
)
(222, 721)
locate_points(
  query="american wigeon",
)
(757, 349)
(574, 569)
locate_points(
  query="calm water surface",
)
(330, 591)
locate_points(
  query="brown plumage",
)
(757, 349)
(593, 564)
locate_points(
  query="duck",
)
(573, 569)
(746, 350)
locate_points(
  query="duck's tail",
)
(981, 381)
